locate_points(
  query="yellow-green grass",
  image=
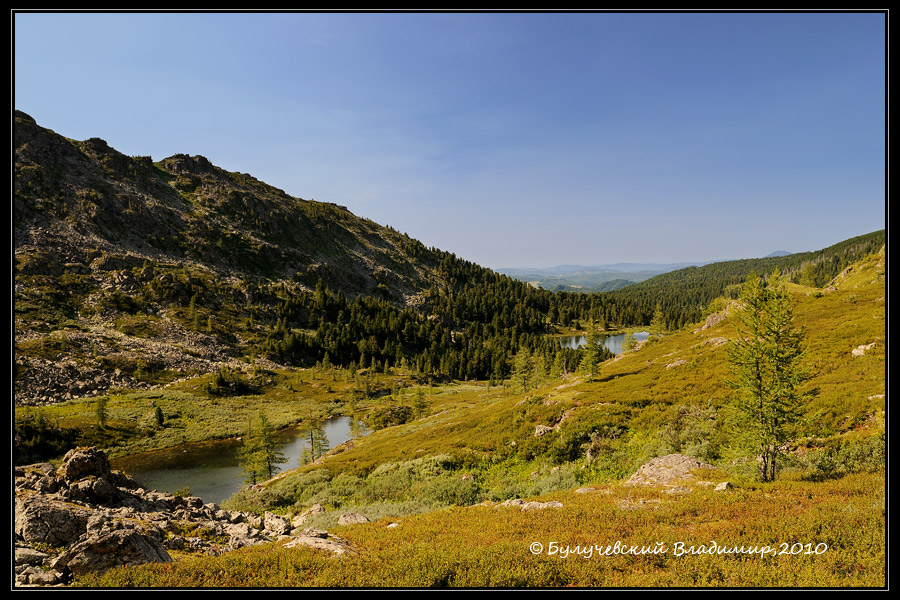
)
(827, 534)
(490, 431)
(639, 390)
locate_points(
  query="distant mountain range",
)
(593, 278)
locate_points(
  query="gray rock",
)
(36, 576)
(303, 517)
(116, 548)
(725, 485)
(512, 502)
(276, 524)
(30, 556)
(52, 522)
(79, 463)
(99, 519)
(541, 505)
(666, 469)
(319, 544)
(320, 539)
(352, 519)
(541, 430)
(314, 532)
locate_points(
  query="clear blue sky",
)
(509, 139)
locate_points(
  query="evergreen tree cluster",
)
(470, 325)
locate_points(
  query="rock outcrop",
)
(83, 517)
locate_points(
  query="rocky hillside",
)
(85, 207)
(129, 271)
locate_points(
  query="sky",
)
(509, 139)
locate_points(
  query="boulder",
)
(303, 517)
(79, 463)
(30, 556)
(861, 350)
(276, 524)
(666, 469)
(541, 430)
(121, 547)
(541, 505)
(352, 519)
(40, 520)
(320, 539)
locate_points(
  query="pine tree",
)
(101, 411)
(658, 323)
(522, 370)
(591, 360)
(766, 361)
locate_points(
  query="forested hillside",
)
(684, 295)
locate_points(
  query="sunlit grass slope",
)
(824, 520)
(783, 534)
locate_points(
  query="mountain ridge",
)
(183, 208)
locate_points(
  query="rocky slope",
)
(124, 266)
(79, 202)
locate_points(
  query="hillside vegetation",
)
(442, 478)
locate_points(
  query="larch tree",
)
(260, 455)
(768, 371)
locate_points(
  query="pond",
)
(212, 471)
(612, 342)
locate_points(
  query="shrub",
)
(452, 489)
(388, 416)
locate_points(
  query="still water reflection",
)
(212, 471)
(612, 342)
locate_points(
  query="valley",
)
(170, 303)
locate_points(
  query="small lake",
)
(611, 342)
(212, 471)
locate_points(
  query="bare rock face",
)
(666, 469)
